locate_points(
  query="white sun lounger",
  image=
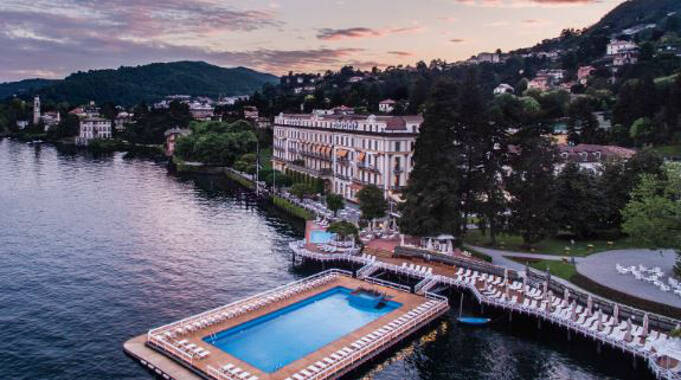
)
(329, 361)
(227, 367)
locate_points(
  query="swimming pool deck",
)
(176, 368)
(532, 299)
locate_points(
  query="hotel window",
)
(397, 146)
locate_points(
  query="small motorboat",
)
(473, 321)
(470, 321)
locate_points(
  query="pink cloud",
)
(329, 34)
(401, 53)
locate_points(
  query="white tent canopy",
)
(443, 243)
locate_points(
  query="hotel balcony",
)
(318, 156)
(371, 168)
(397, 171)
(361, 182)
(321, 173)
(342, 176)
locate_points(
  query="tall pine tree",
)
(530, 186)
(433, 202)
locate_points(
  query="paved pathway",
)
(499, 257)
(600, 267)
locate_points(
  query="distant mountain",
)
(643, 20)
(131, 85)
(635, 12)
(23, 87)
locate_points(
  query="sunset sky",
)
(52, 38)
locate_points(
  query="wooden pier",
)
(523, 297)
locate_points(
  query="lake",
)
(96, 250)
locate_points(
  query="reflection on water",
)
(96, 250)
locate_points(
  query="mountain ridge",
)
(129, 85)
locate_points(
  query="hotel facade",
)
(347, 151)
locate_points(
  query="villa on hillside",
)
(583, 74)
(387, 105)
(250, 112)
(616, 46)
(122, 119)
(590, 156)
(504, 88)
(346, 150)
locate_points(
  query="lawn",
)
(552, 246)
(668, 150)
(556, 267)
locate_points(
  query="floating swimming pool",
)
(286, 335)
(321, 237)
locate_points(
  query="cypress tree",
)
(433, 201)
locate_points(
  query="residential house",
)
(121, 120)
(250, 112)
(625, 57)
(93, 127)
(504, 88)
(201, 109)
(541, 83)
(583, 74)
(386, 106)
(171, 136)
(616, 46)
(590, 156)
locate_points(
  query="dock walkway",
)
(536, 300)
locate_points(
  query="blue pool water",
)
(321, 237)
(286, 335)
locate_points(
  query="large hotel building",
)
(348, 151)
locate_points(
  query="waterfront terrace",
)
(321, 327)
(348, 151)
(641, 334)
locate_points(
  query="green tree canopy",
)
(531, 187)
(653, 215)
(334, 202)
(217, 143)
(344, 229)
(371, 202)
(579, 201)
(302, 190)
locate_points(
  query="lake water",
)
(97, 250)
